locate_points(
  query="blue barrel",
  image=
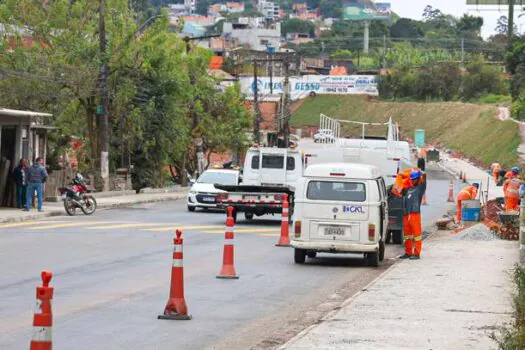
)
(419, 137)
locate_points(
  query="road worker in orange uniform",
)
(466, 194)
(495, 168)
(511, 190)
(413, 192)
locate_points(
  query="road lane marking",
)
(184, 228)
(248, 230)
(69, 224)
(21, 224)
(269, 234)
(112, 227)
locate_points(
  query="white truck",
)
(269, 173)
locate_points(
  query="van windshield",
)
(336, 191)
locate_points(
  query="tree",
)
(407, 28)
(331, 8)
(502, 26)
(430, 13)
(470, 25)
(296, 25)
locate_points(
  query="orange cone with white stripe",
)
(284, 239)
(451, 192)
(176, 308)
(228, 267)
(43, 317)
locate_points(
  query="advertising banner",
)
(301, 87)
(364, 11)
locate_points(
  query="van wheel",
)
(248, 216)
(299, 256)
(397, 237)
(311, 255)
(381, 250)
(373, 259)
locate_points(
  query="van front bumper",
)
(339, 247)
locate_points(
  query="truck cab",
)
(340, 208)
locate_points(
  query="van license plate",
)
(334, 231)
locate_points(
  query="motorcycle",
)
(77, 195)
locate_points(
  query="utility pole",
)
(462, 50)
(257, 121)
(199, 143)
(102, 110)
(286, 104)
(511, 23)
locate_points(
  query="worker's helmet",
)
(475, 184)
(515, 170)
(415, 175)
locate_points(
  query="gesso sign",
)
(320, 84)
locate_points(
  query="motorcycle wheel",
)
(70, 207)
(90, 205)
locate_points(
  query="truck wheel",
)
(373, 259)
(311, 255)
(397, 237)
(381, 250)
(299, 256)
(248, 216)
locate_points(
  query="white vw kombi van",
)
(340, 208)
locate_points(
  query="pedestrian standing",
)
(19, 176)
(413, 194)
(36, 176)
(511, 190)
(495, 168)
(468, 193)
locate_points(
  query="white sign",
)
(301, 87)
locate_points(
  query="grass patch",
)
(512, 336)
(469, 128)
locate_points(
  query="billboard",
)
(301, 87)
(355, 10)
(495, 2)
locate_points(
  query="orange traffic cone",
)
(43, 317)
(424, 201)
(176, 308)
(284, 239)
(451, 192)
(228, 267)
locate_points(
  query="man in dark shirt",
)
(413, 193)
(19, 176)
(36, 176)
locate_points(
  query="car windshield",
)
(212, 177)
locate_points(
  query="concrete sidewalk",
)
(106, 202)
(473, 173)
(450, 299)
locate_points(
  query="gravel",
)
(479, 232)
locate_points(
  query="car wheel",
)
(311, 255)
(299, 256)
(397, 237)
(381, 250)
(192, 209)
(373, 259)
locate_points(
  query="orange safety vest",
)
(510, 175)
(512, 188)
(403, 181)
(468, 193)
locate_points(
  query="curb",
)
(56, 212)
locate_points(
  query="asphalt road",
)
(112, 270)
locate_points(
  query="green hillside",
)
(468, 128)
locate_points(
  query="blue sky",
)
(414, 9)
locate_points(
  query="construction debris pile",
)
(477, 232)
(509, 230)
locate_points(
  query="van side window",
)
(336, 191)
(290, 163)
(255, 162)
